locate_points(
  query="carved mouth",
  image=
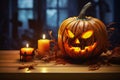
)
(79, 50)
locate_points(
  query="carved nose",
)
(77, 41)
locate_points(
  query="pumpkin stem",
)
(85, 7)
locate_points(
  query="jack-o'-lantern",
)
(82, 37)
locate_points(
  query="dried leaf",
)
(94, 67)
(115, 56)
(29, 67)
(60, 61)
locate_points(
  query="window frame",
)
(26, 9)
(57, 8)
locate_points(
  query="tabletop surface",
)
(9, 63)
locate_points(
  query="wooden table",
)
(9, 64)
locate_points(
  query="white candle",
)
(43, 44)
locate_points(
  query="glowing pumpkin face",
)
(75, 45)
(82, 37)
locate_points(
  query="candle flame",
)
(27, 45)
(43, 36)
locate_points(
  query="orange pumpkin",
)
(82, 36)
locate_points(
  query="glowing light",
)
(44, 70)
(44, 36)
(87, 34)
(27, 45)
(76, 49)
(70, 34)
(87, 48)
(77, 41)
(26, 70)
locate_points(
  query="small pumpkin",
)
(82, 36)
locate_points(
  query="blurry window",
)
(25, 12)
(56, 12)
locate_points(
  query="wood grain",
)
(9, 70)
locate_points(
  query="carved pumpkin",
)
(82, 37)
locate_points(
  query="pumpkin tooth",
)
(83, 51)
(89, 48)
(77, 49)
(86, 47)
(94, 45)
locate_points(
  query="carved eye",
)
(69, 34)
(87, 34)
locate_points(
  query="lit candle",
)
(27, 50)
(43, 44)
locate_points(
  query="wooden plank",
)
(2, 52)
(9, 54)
(54, 69)
(9, 63)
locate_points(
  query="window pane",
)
(25, 3)
(62, 15)
(63, 3)
(23, 16)
(51, 3)
(51, 17)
